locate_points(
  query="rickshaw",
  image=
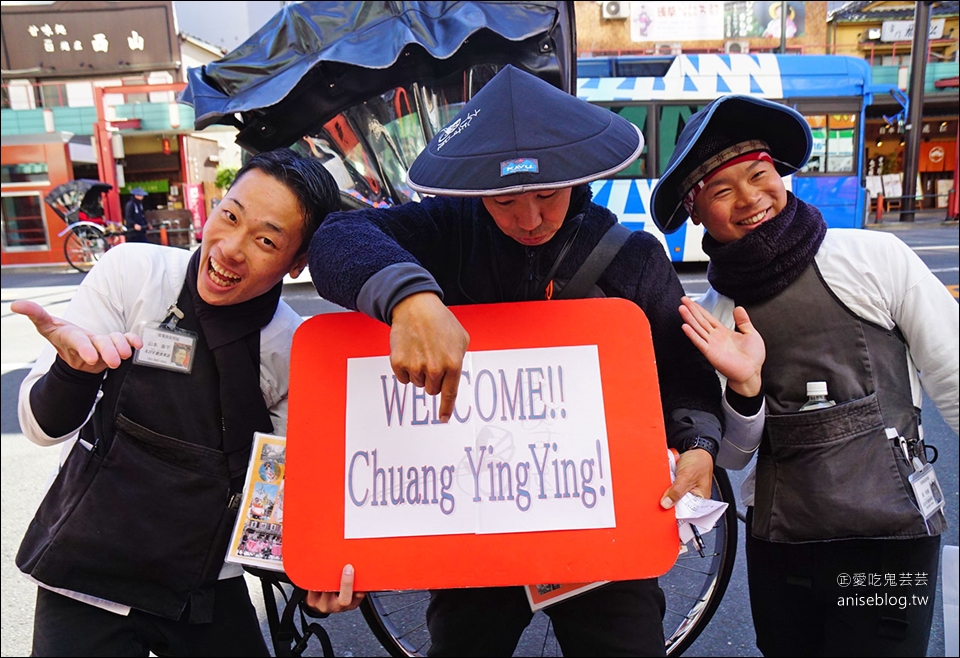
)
(79, 204)
(364, 86)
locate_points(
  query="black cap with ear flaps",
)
(724, 122)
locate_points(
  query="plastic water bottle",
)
(817, 397)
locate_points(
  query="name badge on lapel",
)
(166, 346)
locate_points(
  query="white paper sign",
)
(526, 449)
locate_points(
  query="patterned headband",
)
(753, 149)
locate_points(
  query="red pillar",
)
(106, 165)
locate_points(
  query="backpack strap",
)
(593, 267)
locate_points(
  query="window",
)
(25, 172)
(671, 122)
(18, 95)
(637, 115)
(369, 147)
(348, 159)
(834, 138)
(23, 225)
(53, 94)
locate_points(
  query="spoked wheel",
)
(695, 585)
(83, 247)
(399, 620)
(693, 589)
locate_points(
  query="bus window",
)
(830, 91)
(833, 143)
(637, 115)
(818, 127)
(671, 121)
(841, 129)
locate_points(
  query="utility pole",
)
(914, 127)
(783, 26)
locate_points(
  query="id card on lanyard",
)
(927, 490)
(165, 345)
(923, 480)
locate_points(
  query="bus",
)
(658, 94)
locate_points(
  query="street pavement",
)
(26, 467)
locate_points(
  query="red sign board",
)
(193, 196)
(642, 543)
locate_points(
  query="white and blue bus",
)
(659, 94)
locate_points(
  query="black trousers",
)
(66, 627)
(858, 597)
(136, 236)
(619, 619)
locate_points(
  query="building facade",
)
(882, 33)
(89, 92)
(879, 32)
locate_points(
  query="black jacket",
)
(467, 258)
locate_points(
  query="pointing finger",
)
(448, 394)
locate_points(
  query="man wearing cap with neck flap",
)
(512, 220)
(832, 513)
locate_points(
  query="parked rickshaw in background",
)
(79, 204)
(364, 86)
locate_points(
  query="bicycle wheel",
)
(695, 585)
(693, 589)
(83, 247)
(398, 620)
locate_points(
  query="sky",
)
(228, 29)
(210, 22)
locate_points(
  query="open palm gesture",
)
(737, 355)
(81, 349)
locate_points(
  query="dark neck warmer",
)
(768, 259)
(233, 335)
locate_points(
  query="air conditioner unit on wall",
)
(736, 46)
(670, 48)
(615, 10)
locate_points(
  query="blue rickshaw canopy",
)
(314, 59)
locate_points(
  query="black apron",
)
(832, 473)
(144, 517)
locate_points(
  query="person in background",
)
(128, 544)
(513, 220)
(833, 511)
(134, 216)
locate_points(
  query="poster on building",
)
(193, 194)
(676, 21)
(750, 20)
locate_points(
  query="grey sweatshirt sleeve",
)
(392, 284)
